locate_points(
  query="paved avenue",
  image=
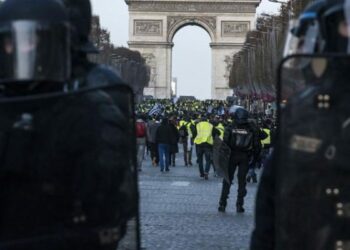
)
(179, 211)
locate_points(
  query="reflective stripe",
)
(192, 122)
(267, 141)
(188, 126)
(204, 133)
(221, 128)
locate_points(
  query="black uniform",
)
(65, 159)
(243, 140)
(306, 182)
(303, 198)
(88, 74)
(60, 176)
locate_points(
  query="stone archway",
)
(154, 23)
(175, 23)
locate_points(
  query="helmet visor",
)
(302, 36)
(336, 28)
(32, 51)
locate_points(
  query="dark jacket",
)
(152, 128)
(163, 134)
(174, 139)
(59, 166)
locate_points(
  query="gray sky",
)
(193, 73)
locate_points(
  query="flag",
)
(156, 110)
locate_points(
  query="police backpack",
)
(241, 139)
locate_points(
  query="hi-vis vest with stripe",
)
(221, 128)
(204, 133)
(188, 126)
(267, 141)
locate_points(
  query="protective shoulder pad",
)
(103, 75)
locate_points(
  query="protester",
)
(163, 139)
(152, 126)
(174, 140)
(141, 133)
(204, 141)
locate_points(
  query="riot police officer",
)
(60, 178)
(243, 140)
(303, 197)
(89, 74)
(85, 72)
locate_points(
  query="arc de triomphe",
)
(154, 23)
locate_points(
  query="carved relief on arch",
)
(152, 63)
(228, 63)
(175, 22)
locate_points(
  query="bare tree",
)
(254, 68)
(130, 65)
(132, 68)
(101, 39)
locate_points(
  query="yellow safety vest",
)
(221, 128)
(204, 133)
(188, 126)
(182, 122)
(267, 141)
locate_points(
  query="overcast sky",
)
(194, 72)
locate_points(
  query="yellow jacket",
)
(204, 133)
(182, 122)
(221, 128)
(267, 141)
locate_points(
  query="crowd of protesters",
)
(168, 125)
(224, 136)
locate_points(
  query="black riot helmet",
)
(34, 42)
(241, 116)
(335, 26)
(304, 33)
(80, 15)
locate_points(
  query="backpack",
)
(140, 129)
(241, 139)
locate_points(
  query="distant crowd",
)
(224, 137)
(163, 125)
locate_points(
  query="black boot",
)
(240, 209)
(222, 206)
(222, 209)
